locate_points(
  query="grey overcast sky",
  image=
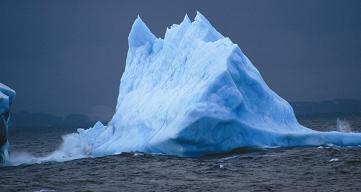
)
(66, 57)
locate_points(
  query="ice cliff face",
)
(7, 96)
(193, 93)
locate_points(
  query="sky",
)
(66, 57)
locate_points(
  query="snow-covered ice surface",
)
(190, 94)
(7, 96)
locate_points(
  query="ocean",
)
(324, 168)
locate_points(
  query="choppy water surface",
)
(327, 168)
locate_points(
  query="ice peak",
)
(186, 19)
(200, 18)
(202, 22)
(140, 34)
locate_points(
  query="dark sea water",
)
(326, 168)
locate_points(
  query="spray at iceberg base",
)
(190, 94)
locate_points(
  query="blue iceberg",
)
(7, 96)
(190, 94)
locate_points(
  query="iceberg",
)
(193, 93)
(7, 96)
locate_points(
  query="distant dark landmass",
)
(40, 121)
(337, 107)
